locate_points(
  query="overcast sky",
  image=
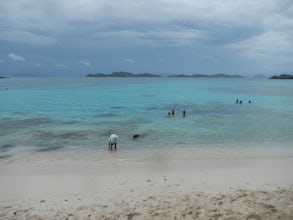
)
(76, 37)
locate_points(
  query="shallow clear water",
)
(51, 114)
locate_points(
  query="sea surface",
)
(40, 116)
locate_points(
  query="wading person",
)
(112, 140)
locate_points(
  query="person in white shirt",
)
(112, 140)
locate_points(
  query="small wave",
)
(49, 148)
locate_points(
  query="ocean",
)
(74, 116)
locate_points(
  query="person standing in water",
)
(112, 140)
(183, 113)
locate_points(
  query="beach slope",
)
(215, 188)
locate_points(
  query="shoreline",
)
(27, 154)
(164, 188)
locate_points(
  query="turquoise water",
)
(50, 114)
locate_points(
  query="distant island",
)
(2, 77)
(128, 74)
(219, 75)
(282, 76)
(121, 74)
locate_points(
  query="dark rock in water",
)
(136, 136)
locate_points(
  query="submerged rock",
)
(136, 136)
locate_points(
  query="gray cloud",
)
(242, 30)
(26, 37)
(61, 66)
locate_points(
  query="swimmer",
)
(183, 113)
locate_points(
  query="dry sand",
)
(215, 188)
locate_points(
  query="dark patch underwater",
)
(6, 147)
(4, 156)
(49, 148)
(117, 107)
(107, 115)
(8, 125)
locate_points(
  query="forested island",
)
(219, 75)
(282, 76)
(128, 74)
(122, 74)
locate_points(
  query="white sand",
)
(215, 188)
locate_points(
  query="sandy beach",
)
(209, 188)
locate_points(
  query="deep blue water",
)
(47, 114)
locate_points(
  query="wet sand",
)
(217, 188)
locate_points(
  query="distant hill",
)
(282, 76)
(128, 74)
(122, 74)
(2, 77)
(219, 75)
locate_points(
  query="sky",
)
(77, 37)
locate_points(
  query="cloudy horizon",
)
(78, 37)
